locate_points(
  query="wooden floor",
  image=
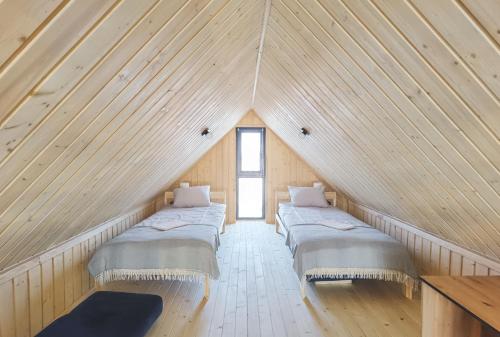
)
(258, 295)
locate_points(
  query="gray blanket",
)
(145, 253)
(359, 253)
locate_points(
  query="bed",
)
(172, 244)
(322, 252)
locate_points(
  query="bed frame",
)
(284, 196)
(331, 197)
(168, 198)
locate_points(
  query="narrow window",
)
(250, 175)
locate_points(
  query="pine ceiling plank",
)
(342, 146)
(74, 68)
(352, 58)
(78, 110)
(427, 104)
(461, 34)
(405, 168)
(197, 104)
(352, 128)
(441, 58)
(403, 129)
(81, 148)
(401, 99)
(485, 12)
(30, 17)
(121, 137)
(131, 185)
(279, 104)
(431, 118)
(144, 159)
(149, 182)
(51, 44)
(77, 66)
(474, 178)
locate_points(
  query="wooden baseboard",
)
(37, 291)
(432, 255)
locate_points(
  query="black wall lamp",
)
(205, 132)
(305, 132)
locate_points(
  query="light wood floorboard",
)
(258, 295)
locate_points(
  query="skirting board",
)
(432, 255)
(39, 290)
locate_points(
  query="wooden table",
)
(460, 306)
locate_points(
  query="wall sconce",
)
(305, 132)
(205, 132)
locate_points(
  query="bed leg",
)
(408, 289)
(207, 287)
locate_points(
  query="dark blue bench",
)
(108, 314)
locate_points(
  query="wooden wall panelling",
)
(15, 34)
(401, 98)
(310, 144)
(475, 49)
(325, 120)
(52, 43)
(360, 128)
(123, 170)
(149, 186)
(433, 256)
(484, 12)
(52, 283)
(87, 148)
(347, 68)
(392, 41)
(91, 51)
(431, 82)
(283, 168)
(232, 10)
(221, 177)
(32, 150)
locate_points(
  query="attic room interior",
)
(252, 168)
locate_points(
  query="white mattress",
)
(291, 215)
(213, 215)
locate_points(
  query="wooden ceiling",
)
(402, 101)
(103, 101)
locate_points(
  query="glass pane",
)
(250, 197)
(250, 151)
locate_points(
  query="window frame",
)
(251, 174)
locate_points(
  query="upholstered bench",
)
(108, 314)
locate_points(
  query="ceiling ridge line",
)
(265, 20)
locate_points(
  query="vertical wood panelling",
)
(218, 168)
(39, 290)
(7, 316)
(432, 255)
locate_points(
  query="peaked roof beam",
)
(267, 11)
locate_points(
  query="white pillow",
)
(196, 196)
(307, 196)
